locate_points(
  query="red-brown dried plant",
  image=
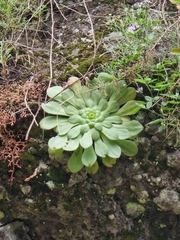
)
(16, 99)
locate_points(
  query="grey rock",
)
(14, 231)
(173, 159)
(168, 200)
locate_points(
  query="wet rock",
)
(168, 200)
(134, 209)
(14, 231)
(173, 159)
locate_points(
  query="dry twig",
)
(51, 46)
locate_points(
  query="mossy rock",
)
(58, 176)
(83, 66)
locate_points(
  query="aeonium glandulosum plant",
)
(92, 123)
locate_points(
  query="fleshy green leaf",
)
(90, 103)
(116, 90)
(103, 104)
(107, 124)
(100, 148)
(57, 142)
(74, 132)
(123, 133)
(95, 134)
(56, 152)
(124, 120)
(130, 95)
(98, 126)
(76, 86)
(51, 122)
(114, 119)
(53, 108)
(68, 97)
(63, 128)
(108, 161)
(71, 110)
(96, 96)
(74, 163)
(129, 108)
(74, 119)
(72, 144)
(110, 133)
(113, 106)
(89, 157)
(86, 140)
(105, 114)
(84, 128)
(85, 93)
(93, 169)
(114, 150)
(134, 127)
(105, 77)
(128, 147)
(79, 103)
(55, 93)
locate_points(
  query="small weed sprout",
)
(5, 53)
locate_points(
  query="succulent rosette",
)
(91, 123)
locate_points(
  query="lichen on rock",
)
(134, 209)
(173, 159)
(168, 200)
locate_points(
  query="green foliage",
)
(5, 53)
(90, 123)
(163, 90)
(16, 19)
(136, 32)
(11, 13)
(17, 15)
(138, 58)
